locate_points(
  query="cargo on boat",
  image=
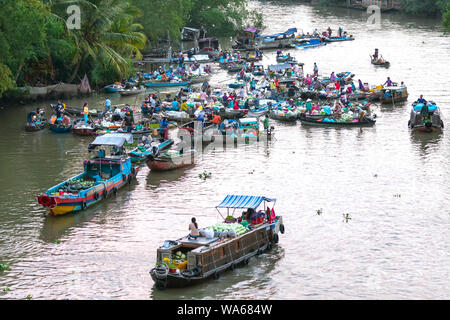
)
(221, 247)
(103, 175)
(394, 94)
(425, 118)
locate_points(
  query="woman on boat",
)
(308, 106)
(360, 85)
(375, 55)
(333, 77)
(388, 82)
(193, 229)
(85, 113)
(316, 69)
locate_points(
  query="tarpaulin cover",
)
(236, 201)
(279, 67)
(113, 139)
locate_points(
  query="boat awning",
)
(238, 202)
(253, 30)
(276, 35)
(112, 139)
(280, 67)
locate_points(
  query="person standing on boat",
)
(375, 55)
(329, 32)
(128, 122)
(388, 82)
(316, 69)
(85, 113)
(340, 32)
(163, 128)
(309, 106)
(333, 77)
(59, 109)
(360, 85)
(193, 229)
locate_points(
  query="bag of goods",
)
(232, 234)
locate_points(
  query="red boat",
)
(170, 161)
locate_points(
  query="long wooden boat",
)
(377, 62)
(161, 84)
(193, 128)
(131, 92)
(170, 160)
(393, 94)
(140, 153)
(103, 175)
(281, 115)
(322, 121)
(76, 111)
(56, 126)
(185, 261)
(113, 88)
(337, 39)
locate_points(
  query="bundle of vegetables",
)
(225, 227)
(76, 185)
(179, 256)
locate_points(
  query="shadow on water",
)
(157, 179)
(426, 142)
(242, 283)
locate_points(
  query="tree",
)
(446, 19)
(106, 30)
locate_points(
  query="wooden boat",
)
(432, 123)
(194, 129)
(131, 92)
(393, 94)
(113, 88)
(39, 125)
(255, 113)
(188, 261)
(380, 62)
(311, 43)
(103, 175)
(57, 127)
(162, 84)
(237, 84)
(75, 111)
(325, 121)
(141, 153)
(229, 113)
(282, 115)
(337, 39)
(285, 59)
(82, 130)
(170, 160)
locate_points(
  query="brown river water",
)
(392, 183)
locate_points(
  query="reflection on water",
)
(392, 182)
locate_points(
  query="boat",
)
(220, 247)
(193, 129)
(141, 153)
(170, 160)
(103, 175)
(380, 62)
(179, 116)
(131, 92)
(39, 125)
(393, 94)
(163, 84)
(81, 129)
(285, 59)
(57, 126)
(433, 122)
(283, 115)
(252, 39)
(230, 113)
(330, 121)
(257, 112)
(113, 88)
(337, 39)
(311, 43)
(237, 84)
(76, 111)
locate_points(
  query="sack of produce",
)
(232, 234)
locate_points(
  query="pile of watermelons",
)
(77, 185)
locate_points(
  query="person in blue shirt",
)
(163, 128)
(175, 105)
(107, 105)
(421, 99)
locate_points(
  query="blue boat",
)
(56, 125)
(336, 39)
(103, 175)
(159, 84)
(141, 153)
(237, 84)
(113, 88)
(312, 43)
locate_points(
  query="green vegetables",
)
(77, 185)
(225, 227)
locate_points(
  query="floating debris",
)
(346, 217)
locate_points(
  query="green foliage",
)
(446, 19)
(6, 81)
(4, 267)
(425, 7)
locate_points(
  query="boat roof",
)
(279, 67)
(248, 120)
(240, 201)
(112, 139)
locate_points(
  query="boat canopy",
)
(276, 35)
(253, 30)
(239, 202)
(280, 67)
(112, 139)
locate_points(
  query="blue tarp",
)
(287, 33)
(236, 201)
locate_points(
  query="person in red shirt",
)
(235, 105)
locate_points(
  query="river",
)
(392, 183)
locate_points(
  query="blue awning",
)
(236, 201)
